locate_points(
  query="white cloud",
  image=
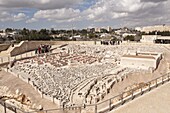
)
(58, 15)
(19, 17)
(5, 16)
(107, 10)
(119, 15)
(39, 4)
(101, 11)
(32, 20)
(97, 12)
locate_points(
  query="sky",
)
(79, 14)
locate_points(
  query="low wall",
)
(32, 45)
(4, 47)
(30, 82)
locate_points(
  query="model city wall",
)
(26, 46)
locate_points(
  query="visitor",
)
(39, 50)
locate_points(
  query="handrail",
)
(10, 107)
(147, 86)
(132, 95)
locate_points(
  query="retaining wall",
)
(32, 45)
(4, 47)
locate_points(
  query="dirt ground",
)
(139, 77)
(14, 83)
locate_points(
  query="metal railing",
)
(127, 96)
(100, 107)
(7, 108)
(106, 105)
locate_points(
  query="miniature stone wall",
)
(141, 61)
(4, 47)
(32, 45)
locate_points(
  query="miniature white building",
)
(128, 34)
(149, 38)
(109, 29)
(98, 29)
(160, 28)
(104, 35)
(3, 34)
(141, 60)
(154, 38)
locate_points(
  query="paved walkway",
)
(5, 58)
(157, 101)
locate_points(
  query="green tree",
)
(130, 38)
(92, 35)
(8, 30)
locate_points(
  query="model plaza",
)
(85, 74)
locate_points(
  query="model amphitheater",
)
(86, 74)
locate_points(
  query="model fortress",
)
(141, 60)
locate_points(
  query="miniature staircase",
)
(8, 51)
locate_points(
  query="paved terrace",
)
(5, 58)
(157, 101)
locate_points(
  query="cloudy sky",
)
(78, 14)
